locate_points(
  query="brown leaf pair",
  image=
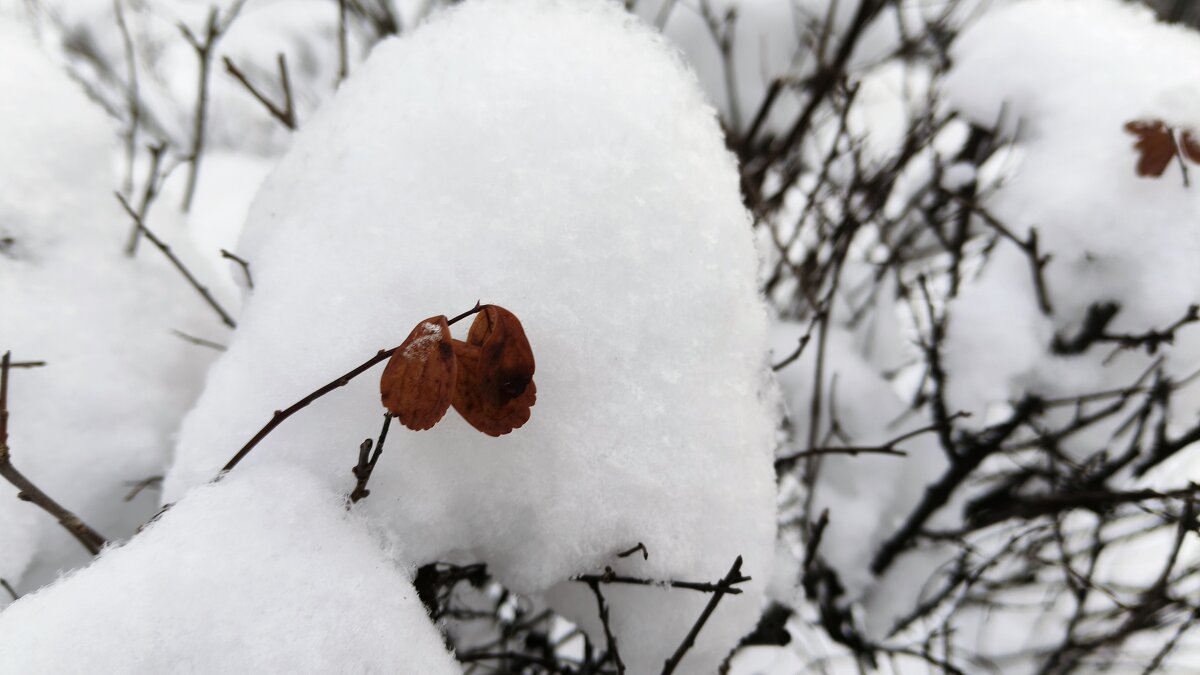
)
(488, 378)
(1158, 143)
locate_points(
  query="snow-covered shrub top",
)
(556, 158)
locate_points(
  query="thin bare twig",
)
(137, 487)
(734, 576)
(12, 593)
(640, 547)
(281, 415)
(149, 192)
(90, 539)
(215, 27)
(198, 341)
(132, 96)
(166, 250)
(610, 577)
(287, 114)
(365, 467)
(343, 49)
(244, 265)
(610, 640)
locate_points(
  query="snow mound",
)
(553, 157)
(263, 572)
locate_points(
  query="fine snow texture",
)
(264, 572)
(555, 158)
(99, 416)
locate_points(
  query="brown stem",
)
(281, 415)
(148, 194)
(724, 586)
(26, 490)
(166, 250)
(243, 263)
(365, 467)
(287, 114)
(609, 639)
(12, 592)
(343, 51)
(215, 27)
(609, 577)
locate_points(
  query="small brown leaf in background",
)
(1191, 148)
(495, 373)
(418, 382)
(1156, 145)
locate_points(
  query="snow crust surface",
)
(263, 572)
(553, 157)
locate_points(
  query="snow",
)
(101, 414)
(556, 158)
(1076, 184)
(265, 571)
(420, 347)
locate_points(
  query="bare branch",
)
(287, 114)
(90, 539)
(734, 576)
(243, 264)
(166, 250)
(281, 415)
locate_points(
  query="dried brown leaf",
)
(418, 383)
(495, 373)
(1190, 147)
(1155, 144)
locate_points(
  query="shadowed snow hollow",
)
(553, 157)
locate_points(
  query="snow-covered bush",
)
(975, 227)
